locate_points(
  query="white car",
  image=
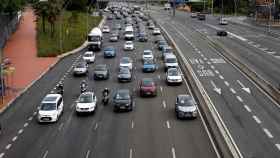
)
(223, 21)
(89, 57)
(173, 76)
(126, 62)
(147, 54)
(156, 31)
(193, 15)
(106, 29)
(86, 103)
(50, 109)
(128, 45)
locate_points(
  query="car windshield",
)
(122, 96)
(128, 32)
(48, 106)
(125, 60)
(147, 53)
(128, 43)
(173, 72)
(124, 71)
(87, 98)
(88, 55)
(147, 83)
(93, 38)
(100, 68)
(171, 60)
(186, 101)
(148, 62)
(81, 65)
(108, 49)
(162, 43)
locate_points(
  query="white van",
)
(51, 108)
(129, 33)
(170, 61)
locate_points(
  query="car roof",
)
(51, 98)
(87, 93)
(147, 79)
(88, 52)
(101, 66)
(123, 91)
(181, 96)
(148, 50)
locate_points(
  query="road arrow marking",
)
(216, 89)
(246, 89)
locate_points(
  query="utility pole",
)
(203, 5)
(212, 7)
(174, 7)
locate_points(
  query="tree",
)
(11, 6)
(54, 10)
(41, 10)
(78, 5)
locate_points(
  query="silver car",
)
(185, 107)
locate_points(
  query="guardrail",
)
(223, 130)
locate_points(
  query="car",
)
(170, 61)
(193, 15)
(223, 21)
(159, 38)
(119, 26)
(149, 65)
(81, 68)
(124, 75)
(106, 29)
(147, 54)
(89, 57)
(87, 103)
(110, 17)
(166, 50)
(109, 52)
(156, 31)
(114, 38)
(201, 16)
(173, 76)
(101, 72)
(142, 37)
(128, 45)
(122, 100)
(148, 87)
(50, 109)
(185, 107)
(161, 44)
(118, 16)
(151, 26)
(221, 32)
(126, 62)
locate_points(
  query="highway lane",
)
(247, 115)
(151, 129)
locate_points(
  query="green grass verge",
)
(73, 33)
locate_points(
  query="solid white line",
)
(161, 89)
(130, 153)
(257, 119)
(60, 126)
(46, 154)
(232, 90)
(15, 138)
(168, 124)
(132, 124)
(2, 155)
(239, 99)
(8, 146)
(221, 77)
(277, 146)
(158, 76)
(30, 118)
(25, 125)
(226, 83)
(88, 152)
(247, 108)
(164, 104)
(96, 126)
(267, 132)
(20, 131)
(173, 152)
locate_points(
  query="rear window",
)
(171, 60)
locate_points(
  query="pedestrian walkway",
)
(22, 51)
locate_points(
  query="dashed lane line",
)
(2, 155)
(212, 67)
(239, 99)
(130, 153)
(267, 132)
(168, 124)
(8, 146)
(60, 126)
(247, 108)
(232, 90)
(88, 153)
(217, 72)
(34, 113)
(277, 146)
(132, 124)
(25, 125)
(173, 152)
(20, 131)
(164, 104)
(221, 77)
(96, 126)
(257, 119)
(161, 89)
(45, 154)
(14, 138)
(30, 118)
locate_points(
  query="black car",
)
(185, 107)
(101, 72)
(201, 16)
(159, 38)
(122, 100)
(110, 17)
(161, 44)
(142, 37)
(124, 75)
(221, 32)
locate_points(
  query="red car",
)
(148, 87)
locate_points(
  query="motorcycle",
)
(105, 99)
(83, 88)
(60, 90)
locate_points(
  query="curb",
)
(60, 57)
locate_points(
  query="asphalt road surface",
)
(251, 117)
(150, 130)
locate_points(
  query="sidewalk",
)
(21, 50)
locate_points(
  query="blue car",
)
(109, 52)
(149, 66)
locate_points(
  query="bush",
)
(73, 33)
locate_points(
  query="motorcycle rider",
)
(83, 86)
(60, 88)
(105, 92)
(105, 99)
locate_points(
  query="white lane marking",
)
(257, 119)
(199, 52)
(208, 62)
(232, 90)
(173, 152)
(60, 126)
(25, 125)
(8, 146)
(54, 88)
(72, 105)
(158, 76)
(15, 138)
(46, 154)
(164, 104)
(88, 152)
(272, 52)
(30, 118)
(2, 155)
(277, 146)
(20, 131)
(202, 55)
(132, 124)
(267, 132)
(52, 91)
(161, 89)
(96, 126)
(226, 83)
(130, 153)
(277, 57)
(221, 77)
(217, 72)
(34, 113)
(247, 108)
(167, 124)
(205, 59)
(264, 49)
(212, 67)
(239, 99)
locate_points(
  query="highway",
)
(151, 130)
(251, 116)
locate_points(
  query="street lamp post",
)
(174, 7)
